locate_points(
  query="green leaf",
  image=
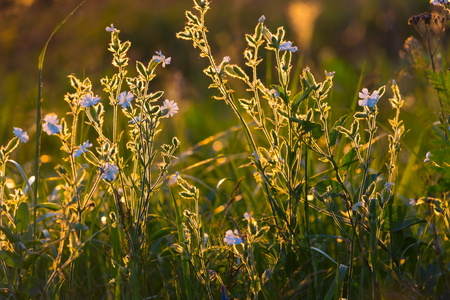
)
(12, 238)
(236, 71)
(322, 186)
(407, 223)
(12, 259)
(141, 69)
(160, 233)
(49, 206)
(22, 218)
(333, 290)
(348, 159)
(334, 132)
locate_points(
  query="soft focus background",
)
(351, 37)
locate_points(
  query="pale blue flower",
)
(427, 157)
(388, 186)
(125, 98)
(356, 206)
(89, 100)
(232, 238)
(82, 148)
(262, 19)
(22, 135)
(274, 92)
(174, 178)
(51, 124)
(161, 57)
(109, 171)
(329, 74)
(287, 46)
(367, 99)
(111, 28)
(171, 107)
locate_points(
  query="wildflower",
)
(82, 148)
(412, 201)
(388, 186)
(125, 98)
(171, 107)
(174, 178)
(248, 216)
(109, 171)
(22, 135)
(274, 92)
(287, 46)
(51, 124)
(111, 28)
(89, 100)
(262, 19)
(356, 206)
(427, 157)
(329, 74)
(161, 57)
(232, 238)
(205, 239)
(367, 99)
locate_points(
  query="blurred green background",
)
(351, 37)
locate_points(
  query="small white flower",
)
(412, 201)
(125, 98)
(232, 238)
(427, 157)
(171, 107)
(262, 19)
(109, 171)
(51, 124)
(22, 135)
(89, 100)
(111, 28)
(367, 99)
(287, 46)
(82, 148)
(161, 57)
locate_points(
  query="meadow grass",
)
(294, 202)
